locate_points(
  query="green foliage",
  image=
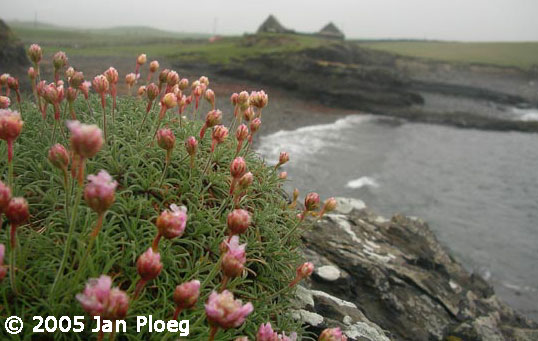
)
(118, 41)
(523, 55)
(136, 162)
(239, 48)
(128, 42)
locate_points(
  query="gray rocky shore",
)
(389, 279)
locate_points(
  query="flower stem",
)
(10, 174)
(148, 109)
(54, 132)
(103, 104)
(67, 194)
(19, 102)
(285, 239)
(166, 163)
(71, 229)
(176, 313)
(213, 332)
(208, 162)
(139, 287)
(12, 258)
(224, 282)
(156, 130)
(155, 244)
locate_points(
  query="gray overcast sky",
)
(482, 20)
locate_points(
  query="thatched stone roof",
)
(271, 25)
(331, 31)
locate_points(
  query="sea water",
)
(478, 190)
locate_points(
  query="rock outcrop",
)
(381, 279)
(12, 53)
(336, 74)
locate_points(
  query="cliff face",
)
(12, 53)
(335, 74)
(382, 279)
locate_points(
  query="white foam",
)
(363, 181)
(526, 114)
(306, 141)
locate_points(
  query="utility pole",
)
(215, 21)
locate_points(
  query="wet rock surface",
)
(381, 279)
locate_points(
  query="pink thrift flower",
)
(255, 125)
(283, 158)
(77, 79)
(10, 124)
(17, 211)
(243, 100)
(305, 270)
(246, 180)
(163, 76)
(153, 66)
(311, 201)
(99, 299)
(100, 192)
(242, 132)
(225, 312)
(233, 98)
(258, 99)
(117, 305)
(234, 259)
(191, 145)
(69, 72)
(204, 80)
(166, 139)
(219, 134)
(152, 91)
(186, 294)
(5, 196)
(58, 156)
(149, 265)
(172, 78)
(171, 223)
(35, 53)
(130, 79)
(86, 140)
(210, 97)
(332, 334)
(183, 84)
(4, 102)
(100, 84)
(212, 118)
(266, 333)
(248, 114)
(95, 295)
(59, 60)
(85, 88)
(238, 167)
(238, 221)
(141, 59)
(111, 75)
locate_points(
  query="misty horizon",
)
(459, 20)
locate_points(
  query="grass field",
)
(522, 55)
(129, 41)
